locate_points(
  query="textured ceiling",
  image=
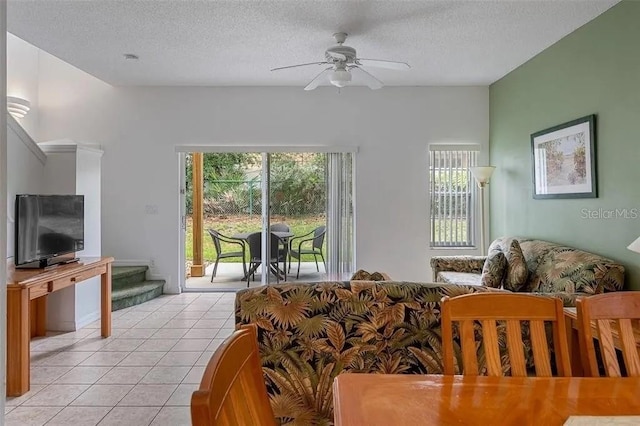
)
(236, 43)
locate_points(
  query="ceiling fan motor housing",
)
(347, 51)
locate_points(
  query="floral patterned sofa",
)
(310, 332)
(554, 269)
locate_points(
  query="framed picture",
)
(564, 160)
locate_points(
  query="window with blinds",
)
(453, 195)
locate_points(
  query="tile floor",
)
(143, 374)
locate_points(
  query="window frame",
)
(461, 158)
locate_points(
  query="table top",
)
(27, 277)
(279, 234)
(413, 399)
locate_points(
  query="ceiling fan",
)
(344, 64)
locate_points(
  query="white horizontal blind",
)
(453, 196)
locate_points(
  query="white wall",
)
(88, 184)
(25, 170)
(22, 78)
(3, 208)
(140, 127)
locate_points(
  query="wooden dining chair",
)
(487, 309)
(612, 317)
(233, 390)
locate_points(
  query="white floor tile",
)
(169, 333)
(56, 396)
(173, 416)
(138, 416)
(195, 375)
(142, 358)
(31, 416)
(124, 375)
(47, 375)
(102, 395)
(79, 416)
(123, 345)
(165, 375)
(182, 395)
(187, 359)
(157, 345)
(148, 395)
(83, 375)
(105, 359)
(189, 345)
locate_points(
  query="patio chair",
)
(255, 256)
(317, 241)
(283, 252)
(217, 238)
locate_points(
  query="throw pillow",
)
(517, 272)
(494, 268)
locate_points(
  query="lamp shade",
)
(635, 246)
(482, 173)
(340, 78)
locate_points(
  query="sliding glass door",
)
(302, 200)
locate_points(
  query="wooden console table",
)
(26, 290)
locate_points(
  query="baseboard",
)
(70, 326)
(87, 319)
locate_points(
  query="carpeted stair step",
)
(129, 286)
(135, 294)
(123, 276)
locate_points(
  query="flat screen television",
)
(47, 226)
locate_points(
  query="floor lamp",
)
(482, 174)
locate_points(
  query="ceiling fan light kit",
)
(343, 64)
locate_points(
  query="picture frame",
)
(564, 160)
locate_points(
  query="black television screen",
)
(48, 226)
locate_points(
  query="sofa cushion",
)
(311, 332)
(517, 273)
(464, 278)
(494, 268)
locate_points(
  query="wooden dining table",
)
(412, 399)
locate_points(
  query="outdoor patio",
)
(229, 277)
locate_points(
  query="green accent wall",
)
(594, 70)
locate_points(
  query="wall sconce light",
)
(18, 107)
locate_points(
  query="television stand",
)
(27, 292)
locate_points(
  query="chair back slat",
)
(611, 317)
(540, 349)
(233, 390)
(468, 343)
(512, 309)
(491, 348)
(607, 348)
(516, 349)
(629, 348)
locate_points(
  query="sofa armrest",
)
(471, 264)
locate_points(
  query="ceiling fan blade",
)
(319, 79)
(379, 63)
(372, 82)
(300, 65)
(336, 55)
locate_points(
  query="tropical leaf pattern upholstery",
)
(494, 269)
(553, 269)
(517, 273)
(309, 333)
